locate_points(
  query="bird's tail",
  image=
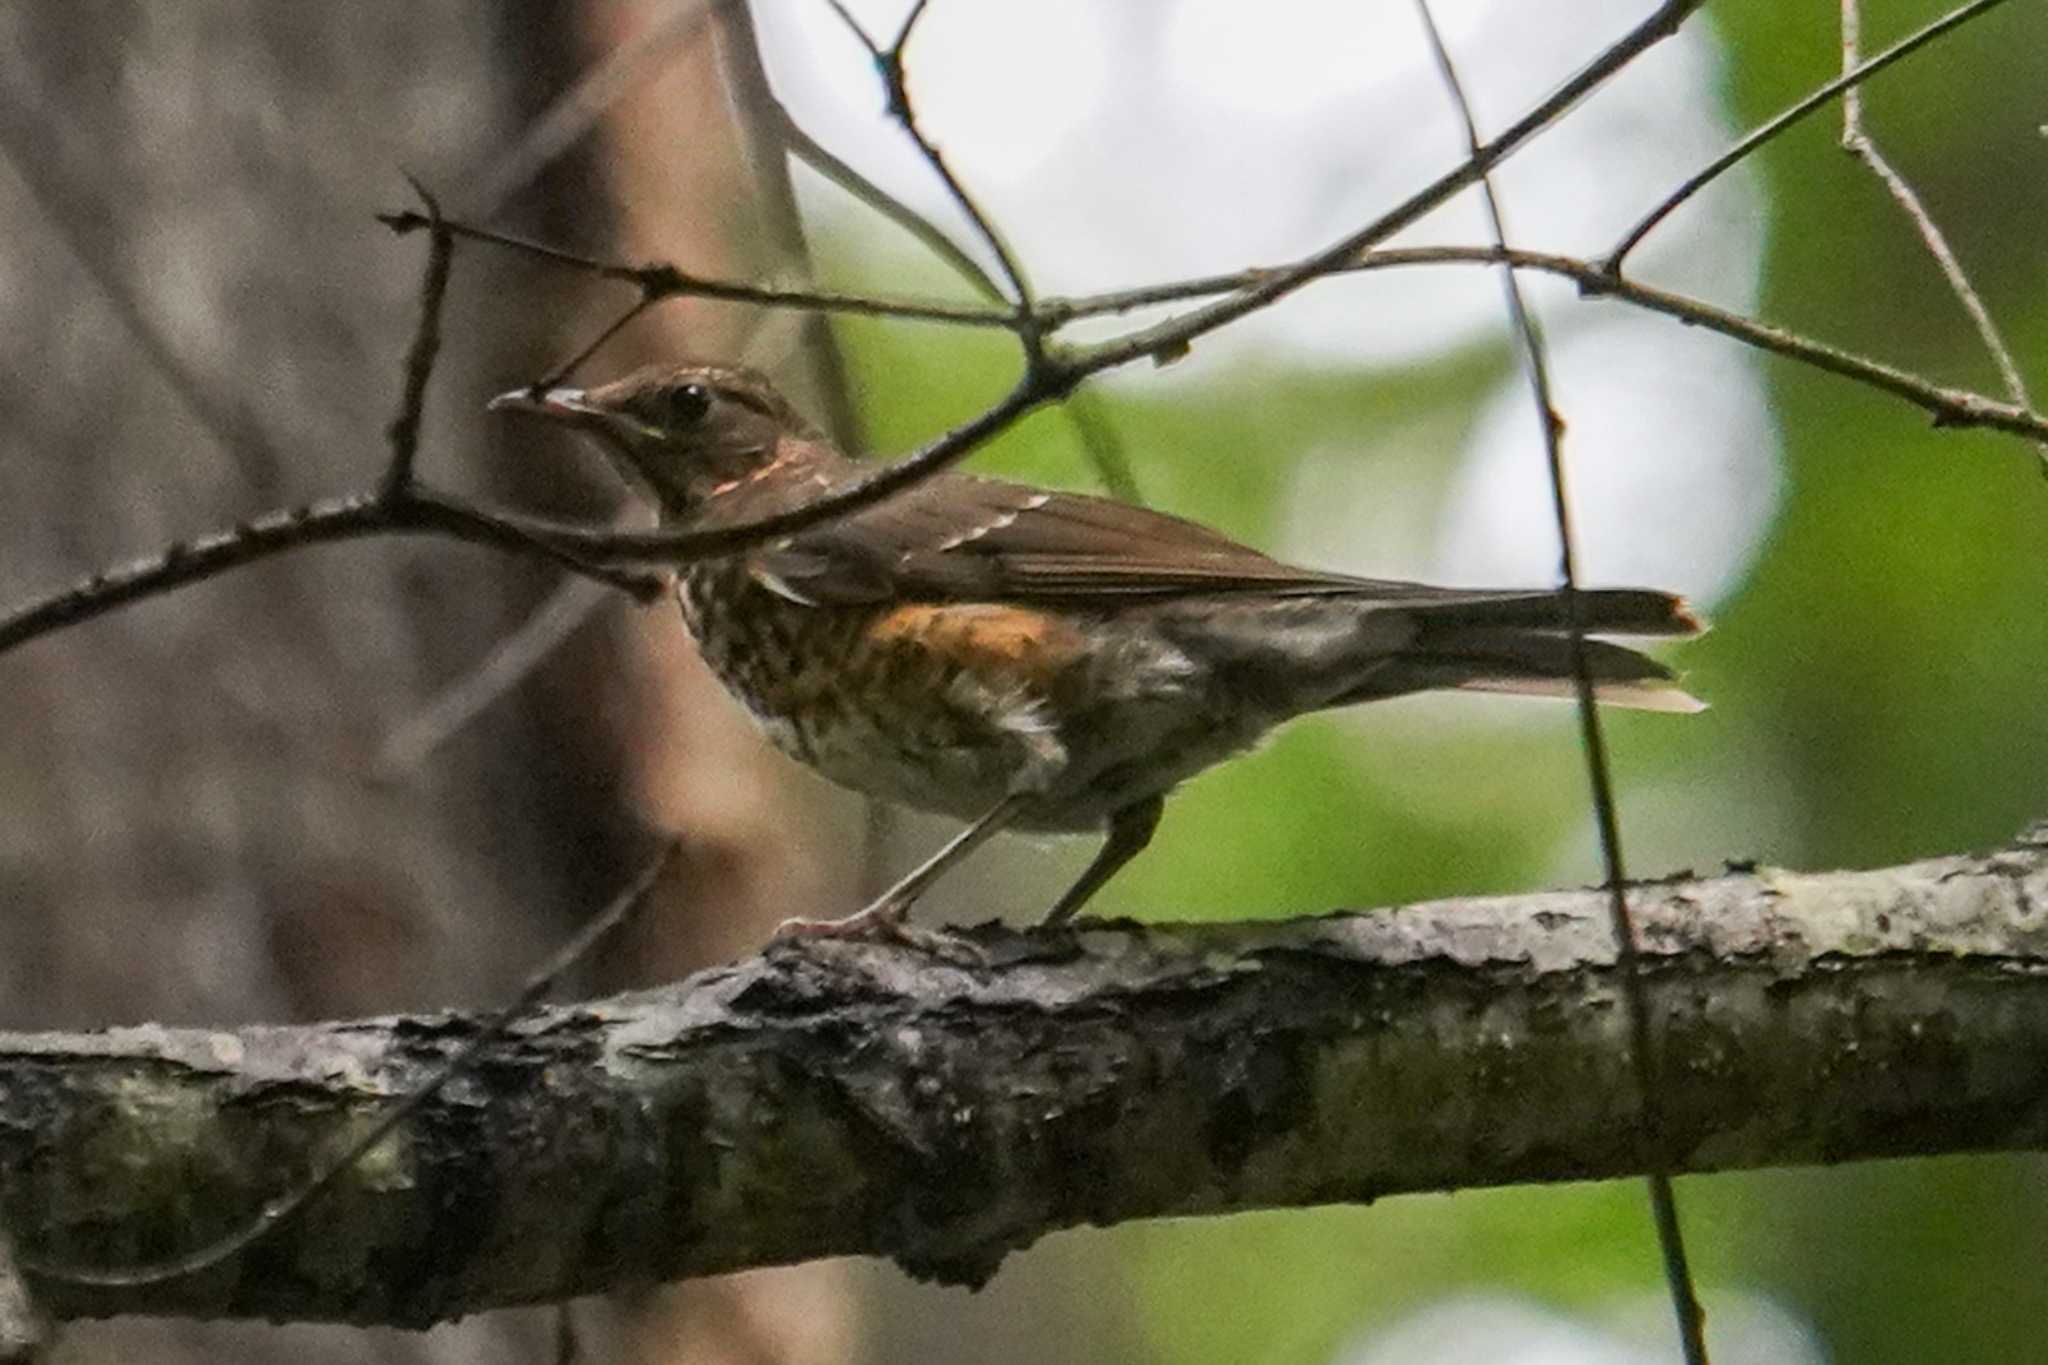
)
(1521, 643)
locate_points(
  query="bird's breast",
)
(945, 707)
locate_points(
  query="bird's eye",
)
(685, 404)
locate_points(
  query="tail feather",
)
(1648, 694)
(1525, 662)
(1606, 611)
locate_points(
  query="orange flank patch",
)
(984, 638)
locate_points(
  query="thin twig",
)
(597, 343)
(760, 121)
(889, 66)
(1627, 950)
(1101, 445)
(664, 281)
(421, 511)
(1170, 339)
(1848, 80)
(1091, 426)
(1857, 143)
(825, 162)
(489, 1031)
(404, 431)
(1948, 407)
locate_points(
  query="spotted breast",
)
(944, 707)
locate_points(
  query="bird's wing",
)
(959, 538)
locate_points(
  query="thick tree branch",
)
(850, 1098)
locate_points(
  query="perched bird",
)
(1018, 657)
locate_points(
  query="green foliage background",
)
(1876, 690)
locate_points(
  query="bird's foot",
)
(886, 921)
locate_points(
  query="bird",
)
(1023, 658)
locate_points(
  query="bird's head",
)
(684, 433)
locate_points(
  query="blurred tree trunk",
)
(200, 827)
(688, 182)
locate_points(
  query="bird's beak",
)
(563, 405)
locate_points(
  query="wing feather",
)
(957, 538)
(961, 538)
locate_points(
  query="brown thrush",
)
(1018, 657)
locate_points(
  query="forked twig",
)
(1091, 425)
(1857, 142)
(829, 164)
(404, 431)
(1949, 407)
(1246, 291)
(889, 66)
(1055, 377)
(1848, 80)
(1627, 951)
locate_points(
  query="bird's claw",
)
(884, 922)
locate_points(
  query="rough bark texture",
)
(847, 1098)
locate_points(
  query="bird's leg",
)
(1130, 829)
(884, 918)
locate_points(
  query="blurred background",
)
(389, 776)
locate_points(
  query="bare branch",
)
(845, 1098)
(664, 281)
(1949, 407)
(420, 511)
(1848, 80)
(1858, 144)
